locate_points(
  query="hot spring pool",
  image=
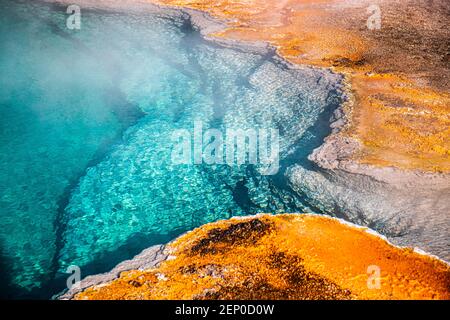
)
(85, 143)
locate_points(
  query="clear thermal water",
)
(86, 175)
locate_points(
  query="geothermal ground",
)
(274, 257)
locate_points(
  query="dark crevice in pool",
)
(241, 196)
(190, 40)
(269, 56)
(128, 114)
(313, 138)
(7, 288)
(278, 184)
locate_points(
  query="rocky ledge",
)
(274, 257)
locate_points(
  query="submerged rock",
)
(282, 257)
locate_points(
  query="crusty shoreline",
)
(150, 260)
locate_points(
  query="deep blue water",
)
(86, 175)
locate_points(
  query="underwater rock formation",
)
(279, 257)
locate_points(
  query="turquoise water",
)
(85, 143)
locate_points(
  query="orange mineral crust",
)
(282, 257)
(398, 75)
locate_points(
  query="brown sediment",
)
(399, 112)
(282, 257)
